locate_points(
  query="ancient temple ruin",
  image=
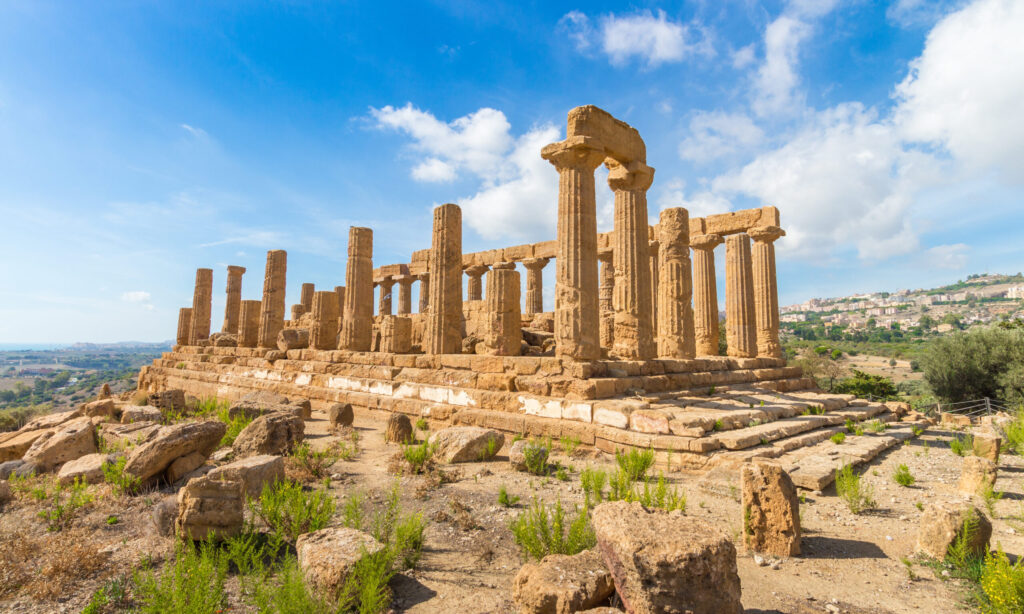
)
(626, 356)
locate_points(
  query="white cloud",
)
(716, 134)
(743, 57)
(135, 296)
(965, 91)
(577, 26)
(652, 38)
(911, 13)
(434, 170)
(953, 257)
(775, 86)
(701, 204)
(196, 132)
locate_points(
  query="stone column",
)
(605, 292)
(675, 314)
(424, 279)
(184, 326)
(340, 291)
(504, 335)
(766, 292)
(404, 294)
(272, 307)
(395, 334)
(384, 305)
(298, 310)
(443, 333)
(357, 327)
(652, 248)
(202, 305)
(634, 336)
(740, 331)
(577, 318)
(705, 294)
(323, 332)
(535, 283)
(234, 300)
(474, 288)
(249, 323)
(306, 298)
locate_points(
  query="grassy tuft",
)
(635, 463)
(289, 510)
(540, 530)
(858, 496)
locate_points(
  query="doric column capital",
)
(422, 276)
(765, 234)
(535, 263)
(574, 152)
(707, 242)
(636, 176)
(385, 282)
(504, 266)
(405, 280)
(235, 270)
(606, 257)
(476, 270)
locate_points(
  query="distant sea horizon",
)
(14, 347)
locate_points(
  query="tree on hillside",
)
(982, 362)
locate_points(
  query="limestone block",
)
(164, 514)
(444, 321)
(127, 435)
(462, 444)
(88, 468)
(276, 433)
(976, 474)
(14, 445)
(561, 584)
(153, 457)
(293, 339)
(986, 445)
(357, 323)
(182, 466)
(943, 522)
(224, 340)
(168, 400)
(398, 429)
(667, 562)
(396, 334)
(102, 407)
(65, 443)
(327, 556)
(199, 329)
(210, 509)
(771, 509)
(272, 306)
(140, 413)
(340, 415)
(254, 472)
(323, 334)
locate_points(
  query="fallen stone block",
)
(209, 508)
(66, 442)
(275, 433)
(398, 429)
(340, 415)
(254, 472)
(943, 523)
(327, 556)
(293, 339)
(986, 445)
(103, 407)
(561, 584)
(140, 413)
(88, 468)
(464, 444)
(771, 509)
(150, 459)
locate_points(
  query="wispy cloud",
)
(650, 37)
(196, 132)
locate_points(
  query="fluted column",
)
(384, 305)
(631, 299)
(535, 283)
(474, 287)
(705, 294)
(233, 304)
(606, 289)
(184, 326)
(577, 318)
(272, 307)
(323, 333)
(404, 294)
(766, 292)
(740, 331)
(652, 248)
(340, 291)
(357, 326)
(443, 334)
(424, 279)
(249, 324)
(675, 290)
(503, 336)
(202, 305)
(306, 298)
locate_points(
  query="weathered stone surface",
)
(443, 333)
(986, 445)
(741, 331)
(340, 415)
(249, 323)
(535, 284)
(325, 312)
(357, 320)
(184, 325)
(561, 584)
(140, 413)
(771, 509)
(705, 294)
(5, 492)
(125, 436)
(47, 421)
(224, 340)
(14, 445)
(255, 472)
(976, 474)
(766, 293)
(88, 468)
(517, 453)
(164, 514)
(292, 339)
(675, 336)
(153, 457)
(168, 400)
(101, 408)
(210, 508)
(272, 306)
(183, 466)
(633, 330)
(463, 444)
(201, 307)
(398, 429)
(10, 467)
(65, 443)
(327, 556)
(396, 334)
(943, 522)
(667, 562)
(233, 302)
(275, 433)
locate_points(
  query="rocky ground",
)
(850, 562)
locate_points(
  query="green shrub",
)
(983, 362)
(539, 531)
(838, 438)
(536, 455)
(916, 431)
(569, 444)
(315, 463)
(1014, 431)
(287, 593)
(962, 445)
(659, 497)
(211, 406)
(63, 509)
(490, 450)
(635, 463)
(352, 512)
(902, 476)
(193, 584)
(505, 499)
(562, 474)
(417, 456)
(234, 425)
(876, 426)
(965, 562)
(422, 424)
(289, 510)
(858, 497)
(1002, 584)
(850, 425)
(593, 481)
(112, 594)
(990, 496)
(115, 475)
(865, 385)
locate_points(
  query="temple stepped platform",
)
(705, 412)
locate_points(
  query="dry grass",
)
(49, 566)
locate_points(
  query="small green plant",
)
(490, 449)
(764, 441)
(620, 485)
(113, 593)
(711, 391)
(569, 444)
(876, 426)
(63, 509)
(909, 565)
(718, 426)
(1014, 431)
(858, 496)
(850, 425)
(916, 431)
(838, 438)
(112, 520)
(593, 481)
(1002, 584)
(505, 499)
(919, 506)
(192, 584)
(990, 496)
(659, 497)
(114, 474)
(235, 425)
(966, 563)
(858, 430)
(962, 445)
(289, 510)
(314, 462)
(635, 463)
(422, 425)
(902, 476)
(814, 410)
(562, 474)
(535, 455)
(417, 456)
(211, 406)
(540, 531)
(352, 511)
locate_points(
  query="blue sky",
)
(139, 141)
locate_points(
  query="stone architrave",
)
(741, 331)
(323, 333)
(443, 333)
(357, 327)
(249, 324)
(424, 279)
(535, 283)
(404, 294)
(184, 325)
(385, 284)
(233, 306)
(503, 336)
(766, 290)
(340, 291)
(272, 309)
(705, 294)
(306, 297)
(202, 305)
(652, 249)
(631, 299)
(605, 292)
(675, 312)
(396, 334)
(577, 317)
(474, 287)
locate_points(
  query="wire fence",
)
(978, 407)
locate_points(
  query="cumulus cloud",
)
(953, 257)
(700, 204)
(776, 82)
(912, 13)
(135, 296)
(650, 37)
(716, 134)
(743, 57)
